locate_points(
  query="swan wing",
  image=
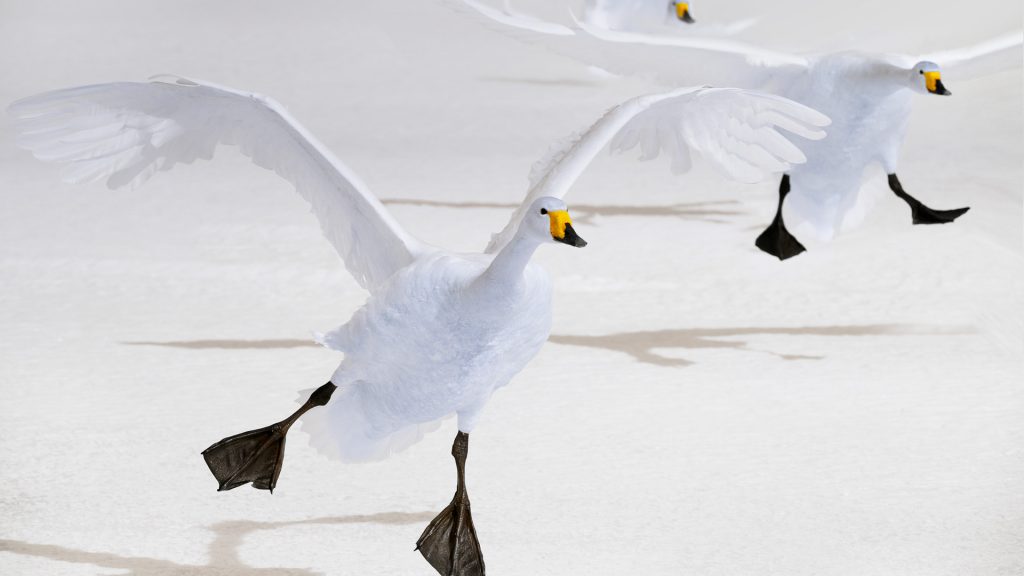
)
(507, 20)
(738, 131)
(124, 132)
(990, 57)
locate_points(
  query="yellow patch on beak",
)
(681, 9)
(559, 218)
(930, 78)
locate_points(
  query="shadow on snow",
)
(223, 551)
(641, 345)
(711, 211)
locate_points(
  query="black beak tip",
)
(571, 238)
(687, 18)
(940, 89)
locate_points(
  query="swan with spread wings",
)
(440, 331)
(867, 96)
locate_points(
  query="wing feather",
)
(990, 57)
(125, 132)
(736, 130)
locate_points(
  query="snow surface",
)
(701, 408)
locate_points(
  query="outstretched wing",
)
(738, 131)
(672, 60)
(124, 132)
(990, 57)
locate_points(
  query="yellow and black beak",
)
(683, 12)
(562, 231)
(933, 81)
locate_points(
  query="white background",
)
(701, 409)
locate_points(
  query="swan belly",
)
(868, 125)
(419, 353)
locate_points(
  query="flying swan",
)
(867, 96)
(440, 331)
(634, 14)
(652, 16)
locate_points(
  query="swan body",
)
(869, 101)
(652, 16)
(632, 14)
(440, 337)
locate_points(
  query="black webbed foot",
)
(920, 213)
(925, 215)
(776, 239)
(449, 542)
(257, 455)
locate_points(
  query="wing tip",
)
(166, 78)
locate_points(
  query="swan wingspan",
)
(124, 132)
(736, 130)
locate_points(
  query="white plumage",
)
(867, 96)
(440, 331)
(628, 14)
(660, 16)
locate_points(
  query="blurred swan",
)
(666, 17)
(867, 96)
(618, 15)
(635, 14)
(440, 331)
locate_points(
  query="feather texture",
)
(990, 57)
(736, 130)
(125, 132)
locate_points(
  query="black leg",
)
(257, 455)
(921, 213)
(775, 239)
(449, 543)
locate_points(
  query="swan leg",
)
(921, 213)
(449, 542)
(257, 455)
(775, 239)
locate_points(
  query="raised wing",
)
(738, 131)
(125, 132)
(672, 60)
(990, 57)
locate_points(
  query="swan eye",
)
(920, 71)
(543, 210)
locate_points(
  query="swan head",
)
(681, 10)
(925, 77)
(547, 220)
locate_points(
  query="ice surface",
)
(701, 409)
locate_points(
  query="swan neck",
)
(894, 77)
(508, 265)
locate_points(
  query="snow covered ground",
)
(701, 409)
